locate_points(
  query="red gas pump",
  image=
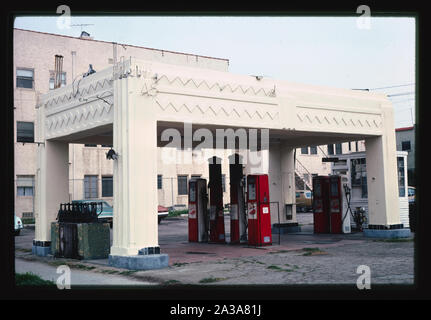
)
(320, 204)
(335, 204)
(238, 221)
(327, 204)
(198, 220)
(258, 209)
(217, 233)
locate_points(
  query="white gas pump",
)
(346, 211)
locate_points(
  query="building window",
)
(90, 145)
(401, 177)
(330, 149)
(338, 148)
(24, 131)
(304, 150)
(356, 146)
(24, 78)
(24, 191)
(223, 182)
(107, 186)
(359, 175)
(90, 187)
(313, 150)
(52, 79)
(405, 146)
(27, 215)
(350, 146)
(182, 185)
(105, 145)
(159, 181)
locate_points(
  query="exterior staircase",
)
(303, 177)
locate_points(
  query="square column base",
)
(41, 248)
(387, 233)
(284, 228)
(140, 262)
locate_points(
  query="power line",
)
(396, 86)
(401, 94)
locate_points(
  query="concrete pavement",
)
(77, 277)
(301, 258)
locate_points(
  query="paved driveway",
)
(302, 258)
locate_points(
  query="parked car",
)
(18, 225)
(163, 212)
(412, 194)
(303, 201)
(107, 211)
(178, 207)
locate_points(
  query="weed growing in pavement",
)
(211, 280)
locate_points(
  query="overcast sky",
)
(330, 51)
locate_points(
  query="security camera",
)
(111, 155)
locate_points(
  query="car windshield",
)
(106, 205)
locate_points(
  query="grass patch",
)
(30, 279)
(81, 266)
(179, 264)
(395, 240)
(109, 271)
(211, 280)
(312, 251)
(278, 251)
(277, 268)
(272, 267)
(177, 213)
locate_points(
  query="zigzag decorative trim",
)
(84, 116)
(217, 111)
(232, 88)
(82, 92)
(338, 121)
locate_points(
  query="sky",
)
(330, 51)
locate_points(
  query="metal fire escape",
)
(303, 177)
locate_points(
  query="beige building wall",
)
(36, 51)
